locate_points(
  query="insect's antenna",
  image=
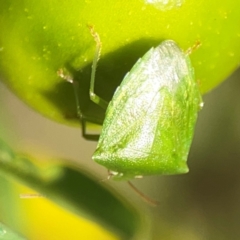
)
(69, 79)
(97, 55)
(99, 101)
(143, 196)
(193, 48)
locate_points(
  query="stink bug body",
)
(149, 123)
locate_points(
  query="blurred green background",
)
(201, 205)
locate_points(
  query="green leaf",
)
(70, 189)
(8, 234)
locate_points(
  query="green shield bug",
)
(149, 123)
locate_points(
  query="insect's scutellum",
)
(149, 123)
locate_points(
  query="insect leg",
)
(83, 119)
(143, 196)
(95, 98)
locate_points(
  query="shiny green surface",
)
(150, 121)
(38, 38)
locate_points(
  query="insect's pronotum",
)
(149, 123)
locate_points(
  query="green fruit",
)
(39, 37)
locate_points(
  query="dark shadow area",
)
(110, 72)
